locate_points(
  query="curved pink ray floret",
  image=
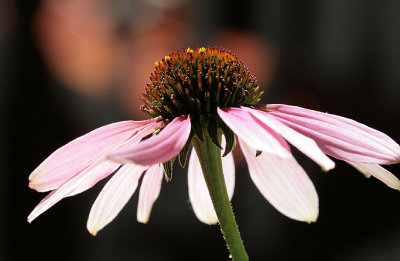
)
(80, 153)
(253, 132)
(301, 142)
(378, 172)
(129, 143)
(149, 191)
(284, 183)
(158, 148)
(337, 136)
(102, 168)
(198, 191)
(113, 197)
(88, 177)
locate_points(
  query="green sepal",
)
(197, 127)
(185, 151)
(258, 153)
(212, 130)
(229, 138)
(168, 169)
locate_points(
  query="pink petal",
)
(113, 197)
(80, 153)
(198, 191)
(158, 148)
(254, 132)
(304, 144)
(141, 133)
(100, 168)
(283, 183)
(378, 172)
(337, 136)
(149, 191)
(87, 178)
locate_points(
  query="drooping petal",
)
(129, 143)
(228, 166)
(283, 182)
(378, 172)
(87, 178)
(198, 191)
(102, 168)
(158, 148)
(303, 143)
(256, 134)
(80, 153)
(113, 197)
(149, 191)
(339, 137)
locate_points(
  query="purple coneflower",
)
(206, 98)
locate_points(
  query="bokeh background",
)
(69, 66)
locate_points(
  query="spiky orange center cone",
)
(198, 81)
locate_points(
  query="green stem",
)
(211, 164)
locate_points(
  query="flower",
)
(200, 93)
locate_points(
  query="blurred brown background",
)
(69, 66)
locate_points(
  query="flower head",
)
(209, 92)
(196, 83)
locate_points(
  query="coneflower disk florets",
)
(196, 82)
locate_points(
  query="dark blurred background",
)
(69, 66)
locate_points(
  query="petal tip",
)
(32, 176)
(396, 185)
(93, 230)
(210, 220)
(39, 187)
(143, 219)
(311, 219)
(329, 166)
(32, 185)
(31, 218)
